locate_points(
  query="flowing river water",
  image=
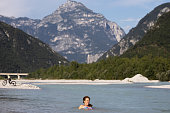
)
(115, 98)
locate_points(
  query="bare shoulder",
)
(81, 106)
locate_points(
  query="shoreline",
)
(77, 81)
(18, 85)
(31, 84)
(80, 81)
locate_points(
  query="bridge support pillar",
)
(8, 76)
(19, 77)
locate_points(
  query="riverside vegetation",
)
(149, 57)
(111, 68)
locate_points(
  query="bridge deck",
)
(12, 74)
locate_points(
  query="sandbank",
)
(63, 81)
(19, 85)
(87, 82)
(138, 78)
(31, 84)
(161, 86)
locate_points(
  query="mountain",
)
(155, 42)
(73, 30)
(20, 52)
(136, 34)
(150, 57)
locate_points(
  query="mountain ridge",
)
(136, 34)
(21, 52)
(155, 42)
(73, 30)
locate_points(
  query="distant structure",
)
(14, 74)
(93, 58)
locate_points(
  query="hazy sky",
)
(125, 13)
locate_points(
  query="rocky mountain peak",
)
(70, 6)
(70, 9)
(75, 31)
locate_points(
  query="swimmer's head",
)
(86, 101)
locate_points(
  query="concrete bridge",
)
(14, 74)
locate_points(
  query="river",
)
(115, 98)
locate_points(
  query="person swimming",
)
(87, 105)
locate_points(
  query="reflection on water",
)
(121, 98)
(11, 99)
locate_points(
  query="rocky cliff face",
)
(73, 30)
(138, 32)
(155, 42)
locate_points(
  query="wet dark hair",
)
(90, 105)
(84, 98)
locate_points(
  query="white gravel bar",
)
(19, 85)
(161, 86)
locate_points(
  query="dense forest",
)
(20, 52)
(149, 57)
(111, 68)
